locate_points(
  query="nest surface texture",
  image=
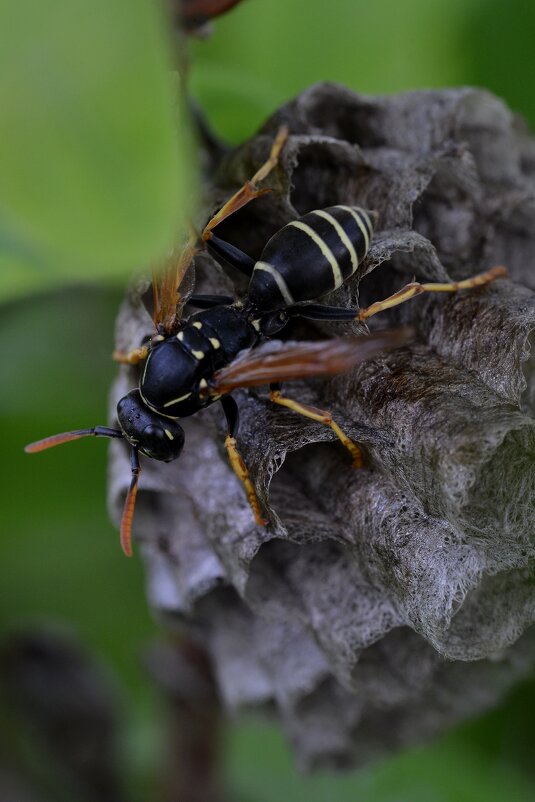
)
(383, 605)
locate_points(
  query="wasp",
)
(193, 362)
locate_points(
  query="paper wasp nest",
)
(382, 605)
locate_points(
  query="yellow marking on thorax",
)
(157, 411)
(169, 435)
(176, 400)
(145, 369)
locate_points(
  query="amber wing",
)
(172, 285)
(264, 365)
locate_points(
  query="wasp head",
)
(155, 436)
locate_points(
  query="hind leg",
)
(320, 415)
(415, 288)
(335, 313)
(230, 409)
(249, 191)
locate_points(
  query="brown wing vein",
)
(170, 290)
(302, 360)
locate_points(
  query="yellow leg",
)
(240, 469)
(133, 357)
(249, 191)
(415, 288)
(322, 416)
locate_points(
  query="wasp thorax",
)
(272, 322)
(157, 437)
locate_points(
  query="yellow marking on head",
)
(324, 248)
(169, 435)
(215, 342)
(203, 384)
(176, 400)
(198, 354)
(197, 324)
(158, 338)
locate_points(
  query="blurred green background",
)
(60, 557)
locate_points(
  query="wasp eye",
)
(153, 431)
(163, 443)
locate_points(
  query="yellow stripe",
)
(342, 234)
(356, 215)
(367, 220)
(281, 284)
(326, 251)
(153, 409)
(176, 400)
(145, 369)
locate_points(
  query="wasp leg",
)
(322, 312)
(130, 503)
(229, 253)
(320, 415)
(230, 409)
(133, 357)
(209, 301)
(249, 191)
(415, 288)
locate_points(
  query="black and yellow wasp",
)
(193, 362)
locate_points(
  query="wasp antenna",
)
(65, 437)
(129, 504)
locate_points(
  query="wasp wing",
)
(264, 364)
(172, 284)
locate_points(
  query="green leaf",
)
(91, 158)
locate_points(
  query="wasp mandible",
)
(192, 362)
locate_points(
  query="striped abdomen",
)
(310, 257)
